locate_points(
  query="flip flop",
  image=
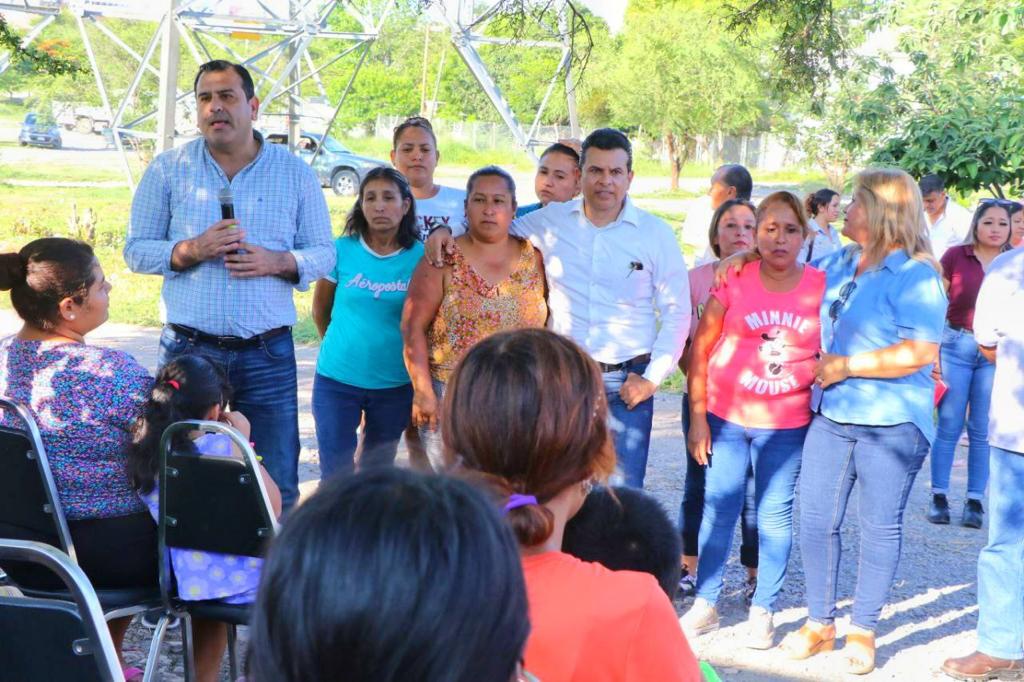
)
(132, 674)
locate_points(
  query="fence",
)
(476, 134)
(762, 152)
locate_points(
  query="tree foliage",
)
(45, 60)
(699, 83)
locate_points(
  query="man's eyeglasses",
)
(844, 296)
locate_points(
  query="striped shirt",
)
(279, 204)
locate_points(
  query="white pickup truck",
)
(81, 117)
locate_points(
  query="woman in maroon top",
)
(966, 372)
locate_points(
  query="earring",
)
(587, 486)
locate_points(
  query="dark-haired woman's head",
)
(781, 229)
(56, 285)
(733, 227)
(558, 174)
(388, 576)
(414, 151)
(385, 205)
(187, 387)
(490, 203)
(525, 412)
(990, 224)
(822, 205)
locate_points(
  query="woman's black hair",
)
(389, 576)
(559, 148)
(492, 172)
(717, 218)
(44, 273)
(185, 388)
(815, 201)
(356, 225)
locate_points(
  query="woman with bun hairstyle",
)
(822, 208)
(84, 400)
(525, 415)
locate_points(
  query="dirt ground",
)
(931, 614)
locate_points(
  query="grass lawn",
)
(30, 212)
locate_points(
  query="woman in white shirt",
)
(822, 208)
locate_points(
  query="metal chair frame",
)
(82, 594)
(168, 591)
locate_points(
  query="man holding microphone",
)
(234, 225)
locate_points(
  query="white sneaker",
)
(760, 629)
(701, 619)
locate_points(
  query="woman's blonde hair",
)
(895, 214)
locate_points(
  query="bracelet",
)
(435, 228)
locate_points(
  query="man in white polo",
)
(948, 221)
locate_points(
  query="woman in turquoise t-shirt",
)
(360, 374)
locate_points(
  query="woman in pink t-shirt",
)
(750, 378)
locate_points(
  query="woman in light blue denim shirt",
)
(882, 319)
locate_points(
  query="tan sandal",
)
(861, 660)
(807, 641)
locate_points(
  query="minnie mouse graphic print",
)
(760, 371)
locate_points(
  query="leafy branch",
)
(45, 61)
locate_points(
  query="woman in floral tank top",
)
(492, 282)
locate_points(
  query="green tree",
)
(679, 76)
(974, 143)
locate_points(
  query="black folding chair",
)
(31, 510)
(210, 504)
(54, 639)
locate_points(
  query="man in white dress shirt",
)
(948, 221)
(617, 286)
(731, 181)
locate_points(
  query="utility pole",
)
(294, 123)
(170, 60)
(423, 81)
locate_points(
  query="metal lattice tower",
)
(281, 67)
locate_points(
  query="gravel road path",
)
(931, 614)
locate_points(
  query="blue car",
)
(39, 131)
(335, 166)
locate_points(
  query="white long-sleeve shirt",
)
(620, 290)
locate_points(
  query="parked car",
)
(337, 167)
(40, 131)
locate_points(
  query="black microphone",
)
(227, 203)
(227, 209)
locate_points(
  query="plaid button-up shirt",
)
(279, 204)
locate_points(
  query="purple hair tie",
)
(517, 500)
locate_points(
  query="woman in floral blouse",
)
(492, 282)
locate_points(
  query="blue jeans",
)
(337, 409)
(775, 457)
(265, 387)
(691, 511)
(433, 443)
(1001, 564)
(883, 461)
(969, 377)
(630, 428)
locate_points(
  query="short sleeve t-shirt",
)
(591, 624)
(964, 272)
(447, 208)
(363, 344)
(761, 369)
